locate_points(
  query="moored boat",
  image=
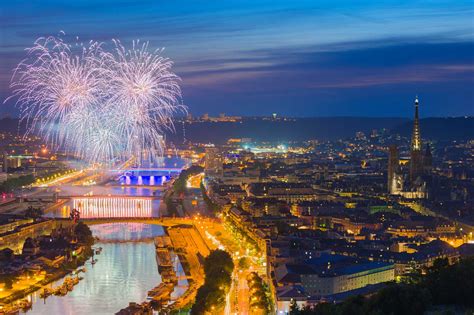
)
(46, 292)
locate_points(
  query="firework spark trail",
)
(144, 88)
(102, 105)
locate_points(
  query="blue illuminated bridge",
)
(147, 176)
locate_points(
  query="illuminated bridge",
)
(106, 207)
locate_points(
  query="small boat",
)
(93, 261)
(63, 290)
(70, 286)
(25, 304)
(10, 310)
(69, 283)
(46, 292)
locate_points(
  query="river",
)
(125, 271)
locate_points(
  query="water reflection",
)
(124, 232)
(125, 271)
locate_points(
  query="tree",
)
(14, 183)
(284, 228)
(259, 298)
(9, 280)
(83, 233)
(213, 207)
(294, 309)
(171, 207)
(34, 212)
(180, 183)
(6, 254)
(218, 267)
(321, 309)
(452, 284)
(217, 262)
(399, 299)
(244, 263)
(439, 264)
(352, 306)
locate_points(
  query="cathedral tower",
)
(416, 154)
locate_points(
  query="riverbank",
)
(57, 274)
(188, 244)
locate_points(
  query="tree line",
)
(14, 183)
(210, 297)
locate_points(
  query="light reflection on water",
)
(126, 270)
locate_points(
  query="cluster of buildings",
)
(206, 118)
(25, 156)
(340, 218)
(33, 249)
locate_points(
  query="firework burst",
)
(101, 105)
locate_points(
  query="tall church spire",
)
(416, 136)
(416, 159)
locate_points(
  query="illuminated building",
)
(289, 192)
(11, 162)
(213, 162)
(420, 164)
(419, 167)
(394, 184)
(327, 278)
(416, 155)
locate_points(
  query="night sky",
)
(295, 58)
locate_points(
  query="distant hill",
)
(325, 128)
(258, 129)
(459, 128)
(11, 125)
(300, 129)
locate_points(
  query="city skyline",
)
(339, 59)
(237, 157)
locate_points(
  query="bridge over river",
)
(163, 221)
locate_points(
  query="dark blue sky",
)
(296, 58)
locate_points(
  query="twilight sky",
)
(296, 58)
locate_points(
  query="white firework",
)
(101, 105)
(144, 90)
(53, 82)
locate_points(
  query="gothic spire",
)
(416, 136)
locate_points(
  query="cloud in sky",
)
(294, 57)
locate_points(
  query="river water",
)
(126, 268)
(125, 271)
